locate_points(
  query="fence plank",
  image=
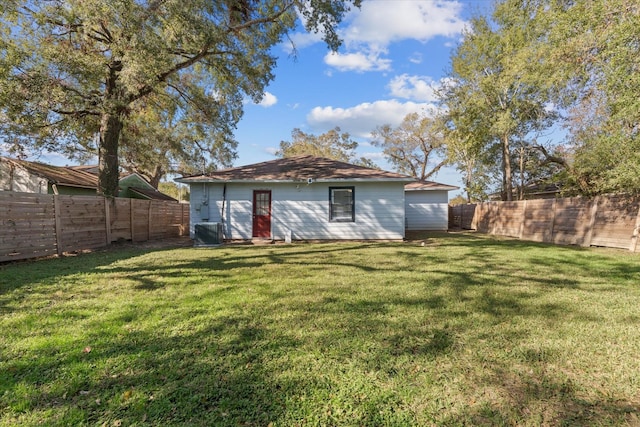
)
(606, 221)
(633, 247)
(35, 225)
(592, 222)
(107, 219)
(27, 225)
(522, 220)
(131, 218)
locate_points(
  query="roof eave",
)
(443, 188)
(64, 184)
(285, 181)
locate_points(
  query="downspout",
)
(224, 199)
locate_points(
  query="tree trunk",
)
(108, 177)
(154, 179)
(111, 124)
(506, 169)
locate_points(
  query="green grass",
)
(465, 330)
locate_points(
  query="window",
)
(341, 204)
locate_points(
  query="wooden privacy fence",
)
(609, 221)
(461, 216)
(35, 225)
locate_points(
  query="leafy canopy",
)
(493, 98)
(538, 63)
(74, 69)
(332, 144)
(416, 147)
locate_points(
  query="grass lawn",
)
(465, 330)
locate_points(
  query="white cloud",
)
(369, 31)
(375, 155)
(357, 62)
(268, 100)
(418, 88)
(361, 119)
(383, 22)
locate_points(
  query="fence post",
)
(131, 222)
(552, 238)
(524, 217)
(182, 227)
(149, 220)
(476, 213)
(107, 220)
(56, 215)
(592, 221)
(636, 233)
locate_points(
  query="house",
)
(427, 205)
(133, 186)
(300, 198)
(35, 177)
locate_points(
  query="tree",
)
(160, 139)
(591, 54)
(413, 145)
(179, 192)
(490, 77)
(458, 200)
(72, 69)
(469, 146)
(332, 145)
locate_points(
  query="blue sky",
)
(394, 53)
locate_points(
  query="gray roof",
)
(429, 186)
(297, 169)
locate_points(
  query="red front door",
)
(262, 213)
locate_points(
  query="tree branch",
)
(204, 52)
(550, 158)
(76, 113)
(162, 77)
(264, 20)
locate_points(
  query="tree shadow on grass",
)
(25, 273)
(230, 369)
(536, 396)
(217, 375)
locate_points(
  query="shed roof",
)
(58, 175)
(428, 186)
(151, 194)
(298, 168)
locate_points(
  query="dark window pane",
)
(341, 204)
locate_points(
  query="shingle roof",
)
(58, 175)
(151, 194)
(428, 185)
(298, 168)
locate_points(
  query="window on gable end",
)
(342, 204)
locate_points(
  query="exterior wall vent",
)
(208, 234)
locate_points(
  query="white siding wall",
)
(304, 210)
(16, 178)
(205, 204)
(427, 210)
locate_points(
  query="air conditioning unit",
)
(208, 234)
